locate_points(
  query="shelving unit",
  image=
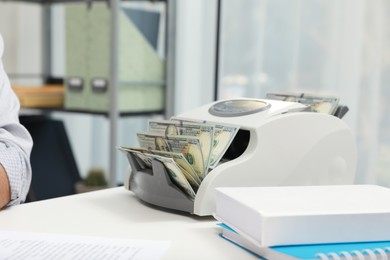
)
(113, 113)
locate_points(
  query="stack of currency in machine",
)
(316, 103)
(189, 150)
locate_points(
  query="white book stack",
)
(302, 216)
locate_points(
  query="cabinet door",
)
(76, 29)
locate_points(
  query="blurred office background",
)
(233, 48)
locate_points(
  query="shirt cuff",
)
(15, 169)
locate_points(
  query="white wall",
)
(195, 56)
(20, 25)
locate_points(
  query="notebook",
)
(379, 250)
(296, 215)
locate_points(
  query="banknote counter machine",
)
(278, 143)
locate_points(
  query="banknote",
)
(145, 157)
(189, 146)
(205, 133)
(139, 155)
(317, 103)
(223, 137)
(183, 164)
(175, 173)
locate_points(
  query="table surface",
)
(117, 213)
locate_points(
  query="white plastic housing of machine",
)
(276, 146)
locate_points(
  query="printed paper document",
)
(27, 245)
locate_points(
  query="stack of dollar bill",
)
(317, 103)
(187, 149)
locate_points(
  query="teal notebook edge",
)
(311, 251)
(242, 247)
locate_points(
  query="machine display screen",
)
(238, 107)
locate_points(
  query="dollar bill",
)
(223, 137)
(175, 174)
(189, 146)
(139, 155)
(184, 165)
(173, 169)
(205, 133)
(192, 181)
(317, 103)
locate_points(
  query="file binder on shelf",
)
(278, 144)
(141, 67)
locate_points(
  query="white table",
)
(117, 213)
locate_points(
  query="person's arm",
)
(15, 146)
(5, 193)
